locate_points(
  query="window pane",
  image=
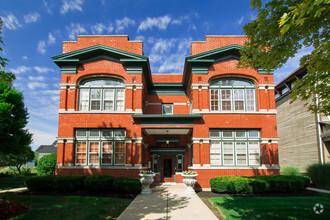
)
(231, 82)
(253, 133)
(94, 152)
(108, 94)
(167, 109)
(215, 153)
(95, 105)
(239, 99)
(94, 133)
(108, 105)
(93, 147)
(120, 147)
(103, 82)
(250, 102)
(107, 152)
(120, 133)
(240, 134)
(84, 99)
(214, 133)
(226, 100)
(214, 99)
(107, 133)
(119, 152)
(81, 148)
(228, 153)
(241, 153)
(120, 105)
(95, 93)
(227, 134)
(81, 133)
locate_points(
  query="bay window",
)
(235, 95)
(100, 147)
(106, 94)
(234, 147)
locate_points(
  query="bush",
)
(46, 165)
(229, 184)
(99, 183)
(41, 183)
(256, 186)
(27, 171)
(127, 185)
(319, 174)
(290, 171)
(69, 183)
(283, 184)
(10, 209)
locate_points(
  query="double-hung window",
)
(231, 94)
(106, 94)
(100, 147)
(236, 147)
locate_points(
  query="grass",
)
(70, 207)
(272, 207)
(12, 182)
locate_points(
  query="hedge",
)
(319, 174)
(41, 183)
(258, 184)
(127, 185)
(46, 165)
(69, 183)
(99, 183)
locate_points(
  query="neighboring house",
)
(303, 138)
(46, 149)
(117, 118)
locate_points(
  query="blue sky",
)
(33, 32)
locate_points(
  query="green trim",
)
(69, 70)
(199, 69)
(167, 119)
(263, 71)
(134, 69)
(214, 52)
(167, 92)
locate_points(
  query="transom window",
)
(228, 94)
(102, 95)
(100, 147)
(234, 147)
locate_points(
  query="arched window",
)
(232, 94)
(102, 94)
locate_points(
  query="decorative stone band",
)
(200, 86)
(118, 167)
(134, 85)
(197, 140)
(207, 111)
(65, 139)
(68, 85)
(266, 86)
(70, 111)
(208, 167)
(269, 140)
(137, 140)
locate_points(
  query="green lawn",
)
(12, 182)
(272, 207)
(70, 207)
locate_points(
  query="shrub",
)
(319, 174)
(69, 183)
(256, 186)
(127, 185)
(46, 165)
(229, 184)
(290, 171)
(41, 183)
(283, 184)
(99, 183)
(27, 171)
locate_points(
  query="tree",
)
(282, 28)
(46, 165)
(17, 160)
(13, 114)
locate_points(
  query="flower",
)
(146, 172)
(187, 172)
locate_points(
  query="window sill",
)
(106, 167)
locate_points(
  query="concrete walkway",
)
(22, 189)
(167, 202)
(318, 190)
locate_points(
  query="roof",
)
(48, 148)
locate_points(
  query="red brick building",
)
(117, 118)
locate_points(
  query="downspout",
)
(319, 130)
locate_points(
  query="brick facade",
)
(154, 140)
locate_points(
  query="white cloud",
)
(40, 69)
(31, 18)
(123, 23)
(25, 58)
(99, 28)
(34, 85)
(48, 7)
(42, 137)
(140, 38)
(74, 30)
(160, 22)
(20, 69)
(51, 39)
(240, 21)
(11, 22)
(41, 47)
(71, 5)
(36, 78)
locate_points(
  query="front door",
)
(168, 172)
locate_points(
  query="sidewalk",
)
(167, 202)
(22, 189)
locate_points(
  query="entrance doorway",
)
(168, 172)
